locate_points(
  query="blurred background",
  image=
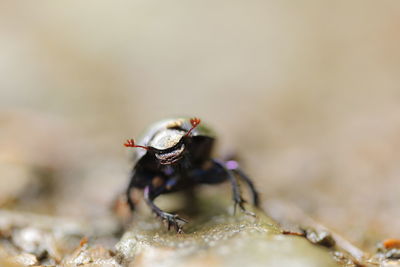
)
(307, 95)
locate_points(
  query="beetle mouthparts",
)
(170, 157)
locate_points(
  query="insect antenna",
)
(194, 122)
(131, 143)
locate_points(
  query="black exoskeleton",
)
(176, 155)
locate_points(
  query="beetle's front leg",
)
(128, 195)
(150, 194)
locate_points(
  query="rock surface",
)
(217, 238)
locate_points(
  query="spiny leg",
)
(172, 219)
(237, 197)
(234, 167)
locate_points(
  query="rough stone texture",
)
(24, 259)
(217, 238)
(33, 239)
(91, 257)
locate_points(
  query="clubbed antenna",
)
(194, 122)
(131, 143)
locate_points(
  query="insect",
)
(175, 154)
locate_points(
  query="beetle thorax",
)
(166, 139)
(168, 144)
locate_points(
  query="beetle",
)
(175, 154)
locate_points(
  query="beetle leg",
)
(233, 166)
(237, 197)
(128, 195)
(172, 219)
